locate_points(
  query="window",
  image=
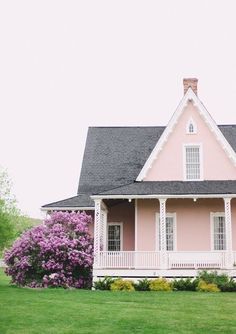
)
(191, 128)
(114, 240)
(218, 232)
(192, 162)
(170, 231)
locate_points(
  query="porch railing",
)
(131, 259)
(196, 260)
(151, 260)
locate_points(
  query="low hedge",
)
(204, 282)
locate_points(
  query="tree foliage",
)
(12, 221)
(56, 253)
(8, 210)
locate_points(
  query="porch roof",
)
(81, 201)
(210, 187)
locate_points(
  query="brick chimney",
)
(190, 82)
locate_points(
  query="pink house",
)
(163, 198)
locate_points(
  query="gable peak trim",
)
(189, 97)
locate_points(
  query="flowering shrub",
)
(122, 285)
(56, 253)
(207, 287)
(160, 284)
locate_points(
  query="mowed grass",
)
(27, 311)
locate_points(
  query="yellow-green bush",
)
(207, 287)
(160, 284)
(122, 285)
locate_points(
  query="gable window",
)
(192, 162)
(218, 231)
(115, 236)
(170, 231)
(191, 127)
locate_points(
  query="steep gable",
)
(191, 124)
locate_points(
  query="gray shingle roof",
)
(175, 188)
(82, 200)
(114, 156)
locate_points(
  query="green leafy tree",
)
(8, 210)
(12, 222)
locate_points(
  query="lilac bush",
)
(57, 253)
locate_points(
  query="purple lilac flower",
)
(58, 252)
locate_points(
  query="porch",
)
(166, 237)
(174, 260)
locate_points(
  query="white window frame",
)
(199, 145)
(121, 235)
(212, 216)
(168, 215)
(191, 121)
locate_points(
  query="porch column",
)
(228, 232)
(163, 253)
(97, 229)
(103, 228)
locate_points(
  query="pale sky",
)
(67, 65)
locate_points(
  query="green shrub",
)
(160, 284)
(187, 284)
(207, 287)
(104, 284)
(122, 285)
(142, 285)
(229, 286)
(223, 281)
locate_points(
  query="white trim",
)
(121, 234)
(136, 225)
(157, 230)
(64, 208)
(158, 196)
(191, 121)
(212, 216)
(201, 161)
(189, 96)
(135, 274)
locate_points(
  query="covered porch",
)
(170, 236)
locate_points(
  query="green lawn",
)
(60, 311)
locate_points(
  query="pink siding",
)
(124, 213)
(146, 227)
(169, 163)
(192, 220)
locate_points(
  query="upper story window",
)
(191, 127)
(192, 162)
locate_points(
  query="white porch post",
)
(228, 231)
(103, 228)
(162, 231)
(97, 229)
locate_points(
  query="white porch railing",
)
(196, 260)
(151, 260)
(129, 259)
